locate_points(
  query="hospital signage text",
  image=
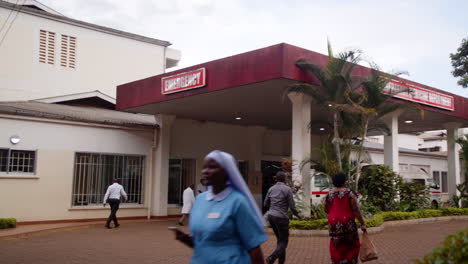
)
(183, 81)
(419, 95)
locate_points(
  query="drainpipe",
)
(153, 168)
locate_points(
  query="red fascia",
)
(274, 62)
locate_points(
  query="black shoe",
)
(108, 227)
(269, 260)
(117, 225)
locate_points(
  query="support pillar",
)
(391, 153)
(301, 147)
(453, 158)
(161, 178)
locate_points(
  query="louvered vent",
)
(68, 52)
(47, 47)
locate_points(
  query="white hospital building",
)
(62, 141)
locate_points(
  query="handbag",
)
(368, 251)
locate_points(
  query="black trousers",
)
(114, 206)
(281, 228)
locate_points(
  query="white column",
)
(391, 155)
(453, 158)
(301, 147)
(161, 178)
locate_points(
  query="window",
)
(444, 184)
(19, 161)
(420, 181)
(436, 177)
(321, 180)
(46, 47)
(440, 178)
(68, 51)
(181, 174)
(244, 169)
(94, 173)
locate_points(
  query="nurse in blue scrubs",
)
(226, 225)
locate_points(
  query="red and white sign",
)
(183, 81)
(420, 95)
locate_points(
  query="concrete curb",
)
(375, 230)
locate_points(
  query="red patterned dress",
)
(344, 239)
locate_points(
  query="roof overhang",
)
(251, 86)
(77, 96)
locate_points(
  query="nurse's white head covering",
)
(229, 164)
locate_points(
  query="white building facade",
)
(46, 54)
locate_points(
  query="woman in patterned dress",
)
(342, 208)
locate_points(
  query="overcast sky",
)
(411, 35)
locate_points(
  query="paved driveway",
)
(151, 242)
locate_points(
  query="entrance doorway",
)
(269, 170)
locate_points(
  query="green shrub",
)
(317, 211)
(368, 209)
(319, 224)
(415, 195)
(379, 187)
(375, 221)
(429, 213)
(378, 219)
(7, 223)
(454, 211)
(392, 216)
(454, 250)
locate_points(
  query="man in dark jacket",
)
(279, 199)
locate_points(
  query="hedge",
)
(378, 219)
(7, 223)
(318, 224)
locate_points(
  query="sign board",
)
(183, 81)
(420, 95)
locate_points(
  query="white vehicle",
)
(435, 179)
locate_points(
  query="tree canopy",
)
(460, 63)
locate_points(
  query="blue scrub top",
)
(224, 230)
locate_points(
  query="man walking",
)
(112, 196)
(188, 199)
(279, 199)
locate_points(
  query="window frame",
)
(143, 191)
(19, 173)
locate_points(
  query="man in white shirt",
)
(188, 199)
(112, 197)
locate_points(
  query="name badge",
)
(213, 215)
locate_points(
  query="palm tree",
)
(336, 85)
(372, 104)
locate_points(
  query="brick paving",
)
(151, 242)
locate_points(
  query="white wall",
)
(435, 143)
(103, 61)
(195, 139)
(46, 194)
